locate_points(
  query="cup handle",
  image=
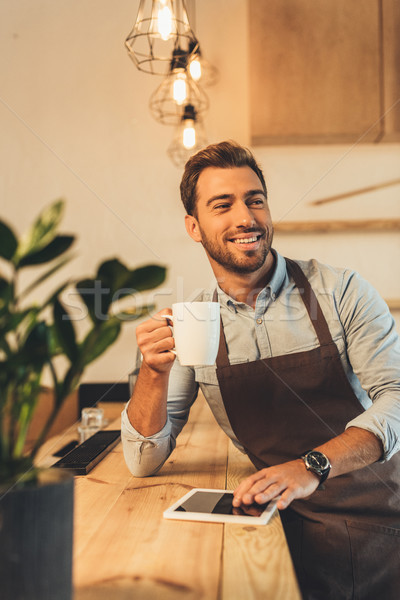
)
(170, 317)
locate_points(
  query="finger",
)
(249, 481)
(252, 510)
(165, 345)
(268, 479)
(263, 491)
(163, 311)
(246, 485)
(155, 322)
(271, 492)
(249, 495)
(287, 497)
(155, 336)
(164, 358)
(152, 353)
(163, 315)
(161, 359)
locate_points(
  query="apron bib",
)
(344, 539)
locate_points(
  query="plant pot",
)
(36, 530)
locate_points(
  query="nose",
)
(243, 215)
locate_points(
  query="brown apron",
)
(344, 539)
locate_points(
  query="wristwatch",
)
(318, 463)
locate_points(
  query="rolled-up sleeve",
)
(373, 349)
(144, 456)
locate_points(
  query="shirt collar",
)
(271, 290)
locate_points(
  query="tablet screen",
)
(216, 505)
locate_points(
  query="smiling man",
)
(306, 383)
(233, 226)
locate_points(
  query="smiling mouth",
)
(246, 240)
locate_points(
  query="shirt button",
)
(259, 321)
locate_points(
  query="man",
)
(306, 383)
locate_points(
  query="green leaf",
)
(57, 246)
(6, 293)
(96, 297)
(64, 331)
(98, 340)
(8, 242)
(114, 281)
(5, 286)
(54, 345)
(70, 382)
(86, 290)
(146, 278)
(28, 398)
(30, 358)
(12, 321)
(36, 347)
(45, 276)
(43, 230)
(113, 274)
(4, 346)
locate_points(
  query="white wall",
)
(75, 123)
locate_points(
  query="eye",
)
(257, 201)
(222, 206)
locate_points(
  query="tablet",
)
(216, 506)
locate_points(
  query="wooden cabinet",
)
(324, 71)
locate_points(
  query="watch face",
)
(317, 460)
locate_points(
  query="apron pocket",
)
(375, 552)
(321, 556)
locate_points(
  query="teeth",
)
(246, 240)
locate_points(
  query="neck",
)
(244, 287)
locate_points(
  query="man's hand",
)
(353, 449)
(147, 409)
(155, 341)
(290, 480)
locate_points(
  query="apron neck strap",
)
(311, 303)
(222, 357)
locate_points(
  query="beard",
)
(246, 262)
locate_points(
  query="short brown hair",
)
(225, 155)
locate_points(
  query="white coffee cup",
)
(196, 327)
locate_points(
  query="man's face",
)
(232, 221)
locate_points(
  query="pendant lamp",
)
(189, 137)
(201, 71)
(167, 103)
(161, 27)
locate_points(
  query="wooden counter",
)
(123, 548)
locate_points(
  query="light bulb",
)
(179, 88)
(189, 137)
(195, 68)
(164, 20)
(189, 134)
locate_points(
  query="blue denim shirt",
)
(361, 327)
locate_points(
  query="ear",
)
(192, 227)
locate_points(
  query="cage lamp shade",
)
(199, 68)
(188, 139)
(161, 27)
(167, 103)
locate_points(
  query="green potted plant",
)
(36, 505)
